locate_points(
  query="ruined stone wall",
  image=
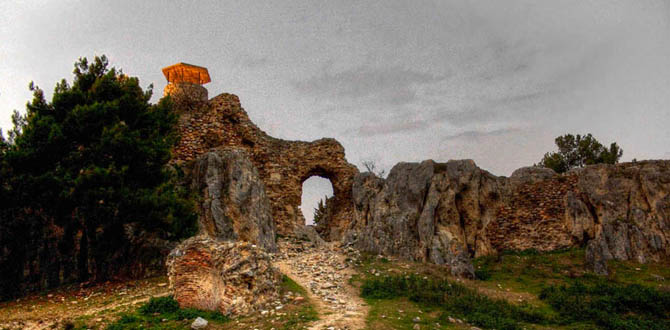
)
(447, 213)
(282, 165)
(532, 216)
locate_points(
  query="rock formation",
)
(234, 278)
(425, 212)
(447, 213)
(628, 211)
(233, 204)
(282, 165)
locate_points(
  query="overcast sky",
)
(494, 81)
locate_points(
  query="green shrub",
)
(128, 318)
(411, 286)
(159, 305)
(127, 321)
(483, 274)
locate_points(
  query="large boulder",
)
(233, 204)
(234, 278)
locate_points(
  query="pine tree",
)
(576, 151)
(84, 169)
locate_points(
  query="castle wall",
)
(282, 165)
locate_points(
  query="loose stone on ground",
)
(324, 273)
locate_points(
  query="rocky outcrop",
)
(233, 204)
(282, 165)
(426, 212)
(447, 213)
(234, 278)
(629, 208)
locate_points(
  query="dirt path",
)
(325, 274)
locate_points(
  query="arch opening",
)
(314, 189)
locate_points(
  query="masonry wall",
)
(283, 165)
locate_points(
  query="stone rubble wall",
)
(234, 278)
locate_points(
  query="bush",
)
(483, 274)
(159, 305)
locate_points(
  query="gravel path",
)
(324, 273)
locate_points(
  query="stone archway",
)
(316, 192)
(282, 165)
(298, 161)
(340, 207)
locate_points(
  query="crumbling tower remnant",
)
(185, 85)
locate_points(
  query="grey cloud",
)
(392, 128)
(251, 61)
(520, 98)
(395, 86)
(503, 59)
(487, 111)
(474, 134)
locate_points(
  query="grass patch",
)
(602, 305)
(532, 271)
(303, 313)
(521, 289)
(452, 299)
(399, 313)
(164, 313)
(290, 285)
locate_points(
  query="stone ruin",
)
(444, 213)
(282, 165)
